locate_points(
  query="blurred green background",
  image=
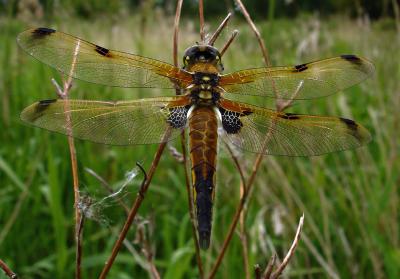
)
(350, 199)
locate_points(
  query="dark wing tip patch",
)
(35, 111)
(353, 128)
(351, 58)
(300, 68)
(47, 102)
(42, 32)
(103, 51)
(43, 105)
(349, 123)
(289, 116)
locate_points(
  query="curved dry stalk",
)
(8, 270)
(288, 257)
(176, 31)
(201, 19)
(256, 32)
(221, 27)
(135, 207)
(228, 43)
(270, 266)
(257, 271)
(64, 94)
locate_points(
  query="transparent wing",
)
(117, 123)
(250, 127)
(86, 61)
(310, 80)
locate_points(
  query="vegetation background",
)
(350, 199)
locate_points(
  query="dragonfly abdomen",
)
(203, 136)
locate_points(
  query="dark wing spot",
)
(39, 108)
(300, 68)
(43, 105)
(353, 127)
(349, 123)
(351, 58)
(42, 32)
(102, 51)
(289, 116)
(47, 102)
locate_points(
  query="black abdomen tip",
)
(204, 240)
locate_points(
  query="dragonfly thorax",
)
(204, 95)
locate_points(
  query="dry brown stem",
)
(201, 19)
(270, 267)
(64, 94)
(291, 251)
(256, 32)
(228, 43)
(176, 31)
(8, 270)
(257, 271)
(221, 27)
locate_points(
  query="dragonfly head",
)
(202, 56)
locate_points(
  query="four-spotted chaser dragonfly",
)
(202, 107)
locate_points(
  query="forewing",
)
(250, 128)
(86, 61)
(118, 123)
(305, 81)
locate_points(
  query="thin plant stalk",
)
(64, 94)
(229, 42)
(270, 267)
(201, 19)
(176, 31)
(256, 32)
(11, 274)
(291, 251)
(221, 27)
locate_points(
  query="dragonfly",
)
(204, 105)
